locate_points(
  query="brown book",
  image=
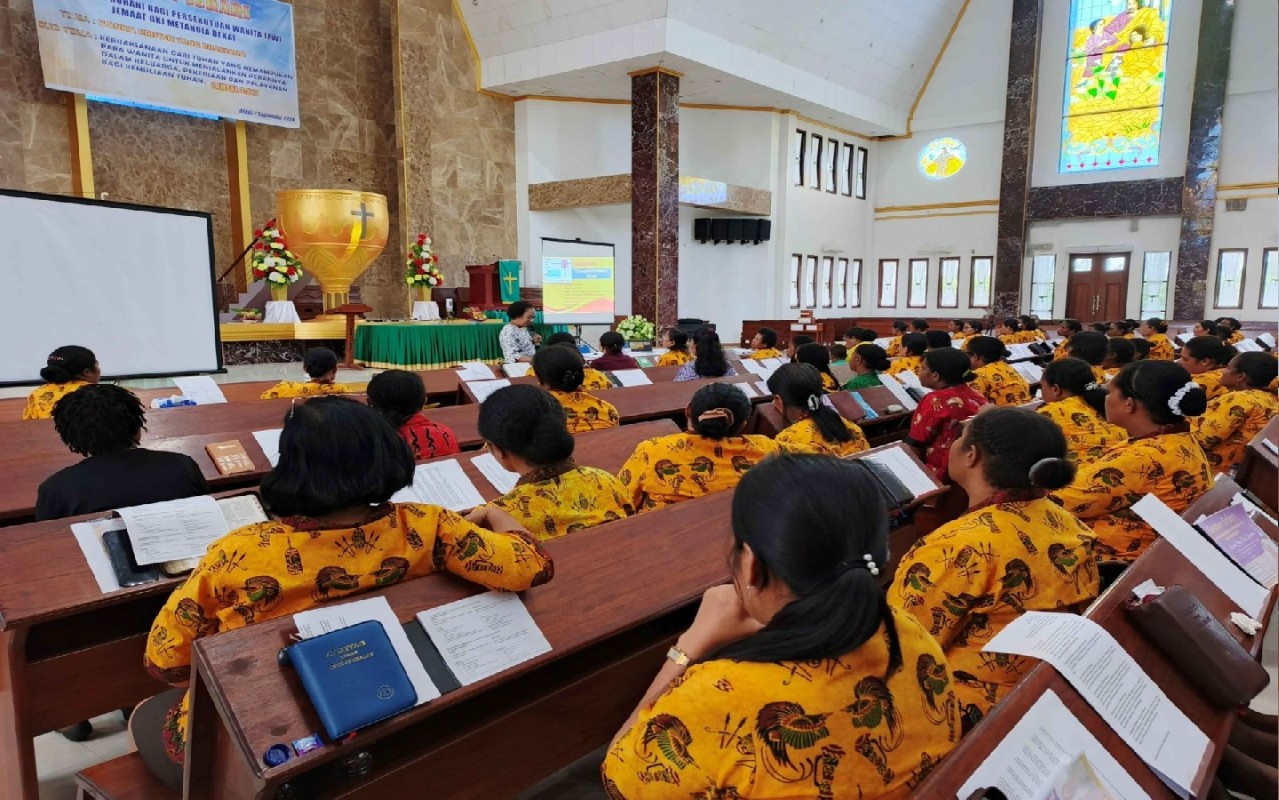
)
(230, 458)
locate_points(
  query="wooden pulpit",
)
(350, 311)
(486, 292)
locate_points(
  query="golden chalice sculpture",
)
(336, 233)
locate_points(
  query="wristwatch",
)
(678, 656)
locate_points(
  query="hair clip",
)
(717, 413)
(814, 402)
(1174, 402)
(870, 565)
(293, 405)
(1091, 385)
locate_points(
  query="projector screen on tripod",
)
(133, 284)
(578, 282)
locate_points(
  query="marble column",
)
(655, 195)
(1019, 140)
(1203, 159)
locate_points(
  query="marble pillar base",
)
(274, 351)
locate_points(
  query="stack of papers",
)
(517, 369)
(483, 635)
(201, 390)
(482, 389)
(1019, 351)
(474, 371)
(173, 530)
(898, 461)
(632, 377)
(441, 483)
(502, 479)
(1029, 370)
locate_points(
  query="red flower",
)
(421, 238)
(419, 262)
(259, 246)
(258, 233)
(289, 270)
(421, 271)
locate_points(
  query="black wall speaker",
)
(749, 229)
(702, 229)
(719, 230)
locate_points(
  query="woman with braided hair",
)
(812, 424)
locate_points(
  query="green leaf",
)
(1092, 92)
(1115, 81)
(1111, 95)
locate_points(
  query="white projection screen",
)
(133, 284)
(579, 282)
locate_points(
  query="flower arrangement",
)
(271, 259)
(475, 313)
(420, 271)
(247, 314)
(636, 329)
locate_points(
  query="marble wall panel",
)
(34, 155)
(1114, 199)
(655, 196)
(603, 190)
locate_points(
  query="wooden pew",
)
(1163, 564)
(1259, 471)
(69, 652)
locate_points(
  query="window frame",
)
(855, 283)
(910, 282)
(896, 262)
(1041, 312)
(848, 157)
(825, 289)
(958, 264)
(1146, 312)
(972, 282)
(813, 170)
(1243, 277)
(831, 166)
(796, 273)
(840, 290)
(810, 282)
(1269, 267)
(798, 177)
(861, 173)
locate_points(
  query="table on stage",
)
(426, 345)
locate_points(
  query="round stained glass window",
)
(942, 158)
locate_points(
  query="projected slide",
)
(578, 281)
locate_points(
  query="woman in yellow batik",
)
(812, 424)
(1067, 329)
(560, 370)
(68, 368)
(913, 347)
(895, 344)
(321, 364)
(525, 431)
(764, 345)
(593, 380)
(996, 380)
(1155, 330)
(1030, 328)
(797, 680)
(1231, 330)
(711, 457)
(1013, 551)
(1010, 332)
(1152, 400)
(1119, 354)
(1205, 358)
(818, 357)
(1090, 347)
(1074, 401)
(676, 344)
(1234, 419)
(334, 535)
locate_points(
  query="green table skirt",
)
(428, 345)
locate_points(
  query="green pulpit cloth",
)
(508, 275)
(432, 345)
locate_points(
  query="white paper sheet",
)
(89, 536)
(632, 377)
(1249, 346)
(1018, 351)
(201, 389)
(474, 371)
(762, 388)
(483, 635)
(269, 441)
(1230, 579)
(773, 364)
(1115, 686)
(756, 368)
(442, 483)
(747, 389)
(331, 618)
(482, 389)
(173, 530)
(909, 380)
(897, 461)
(502, 479)
(884, 342)
(517, 369)
(1268, 338)
(1046, 739)
(1029, 370)
(1252, 508)
(899, 391)
(242, 510)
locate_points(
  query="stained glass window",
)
(855, 283)
(1230, 267)
(980, 287)
(948, 285)
(1154, 284)
(917, 296)
(941, 158)
(810, 283)
(801, 142)
(1043, 273)
(813, 158)
(841, 283)
(1270, 278)
(1117, 55)
(888, 283)
(796, 261)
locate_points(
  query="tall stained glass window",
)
(1117, 54)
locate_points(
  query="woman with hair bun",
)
(711, 457)
(1234, 419)
(1013, 551)
(1205, 358)
(1120, 352)
(1153, 401)
(1154, 330)
(818, 357)
(675, 340)
(561, 371)
(936, 422)
(812, 426)
(1074, 401)
(866, 360)
(68, 368)
(526, 432)
(995, 379)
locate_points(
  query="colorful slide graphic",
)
(577, 286)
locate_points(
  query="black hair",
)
(1012, 323)
(1121, 351)
(919, 324)
(1089, 346)
(915, 343)
(710, 361)
(1231, 323)
(518, 309)
(987, 348)
(861, 334)
(1029, 323)
(1211, 328)
(838, 352)
(811, 521)
(1099, 327)
(875, 356)
(1072, 325)
(559, 368)
(768, 337)
(1020, 449)
(899, 325)
(814, 355)
(800, 340)
(951, 365)
(1076, 376)
(956, 323)
(68, 363)
(319, 361)
(1153, 383)
(719, 397)
(1258, 368)
(99, 418)
(679, 339)
(1123, 325)
(397, 395)
(1158, 324)
(612, 342)
(526, 421)
(800, 386)
(937, 338)
(335, 453)
(560, 337)
(1209, 347)
(1141, 349)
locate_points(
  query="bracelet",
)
(678, 656)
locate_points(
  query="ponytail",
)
(718, 410)
(1076, 377)
(560, 368)
(800, 386)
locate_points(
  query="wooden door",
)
(1112, 287)
(1097, 287)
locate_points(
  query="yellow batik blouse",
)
(1230, 423)
(592, 379)
(1210, 382)
(805, 437)
(670, 469)
(829, 384)
(841, 727)
(1088, 435)
(674, 358)
(566, 498)
(587, 413)
(1062, 347)
(1020, 337)
(1171, 466)
(40, 403)
(1001, 384)
(973, 576)
(904, 364)
(276, 568)
(305, 389)
(1160, 348)
(1235, 338)
(765, 352)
